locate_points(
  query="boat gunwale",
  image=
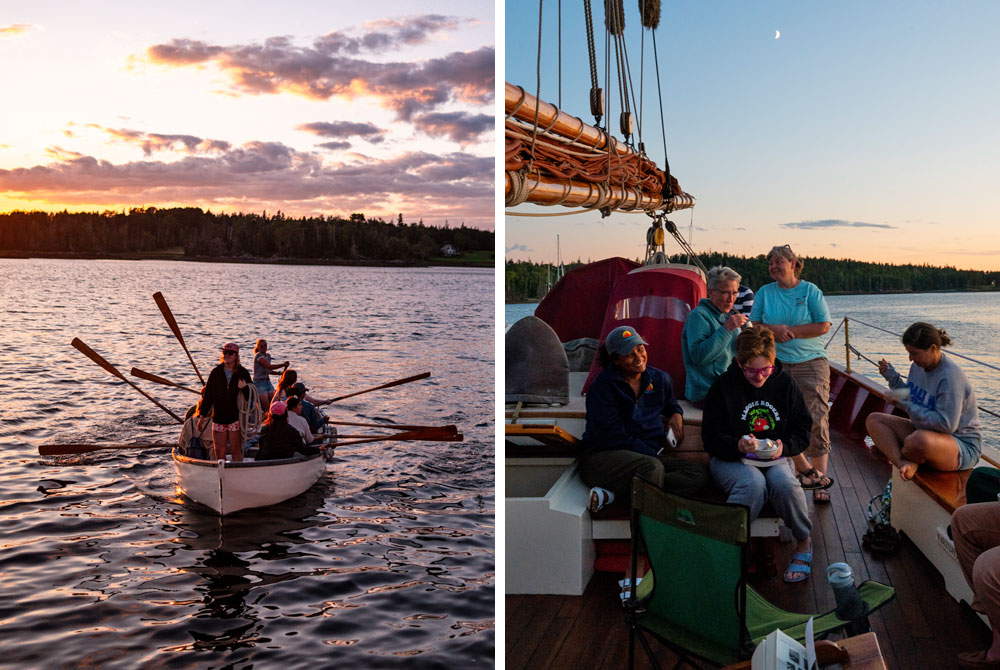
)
(187, 460)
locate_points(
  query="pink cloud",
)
(270, 175)
(330, 67)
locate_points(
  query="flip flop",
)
(799, 571)
(599, 498)
(816, 480)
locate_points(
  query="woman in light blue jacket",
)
(708, 341)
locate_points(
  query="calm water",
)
(387, 562)
(971, 319)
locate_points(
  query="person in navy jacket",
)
(630, 406)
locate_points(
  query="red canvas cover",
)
(575, 306)
(656, 302)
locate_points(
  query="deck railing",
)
(851, 349)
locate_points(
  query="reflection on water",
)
(387, 562)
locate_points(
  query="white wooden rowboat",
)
(228, 487)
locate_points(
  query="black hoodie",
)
(734, 407)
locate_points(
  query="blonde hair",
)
(786, 252)
(753, 342)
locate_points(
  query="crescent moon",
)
(777, 34)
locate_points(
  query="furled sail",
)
(554, 158)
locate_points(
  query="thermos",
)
(850, 606)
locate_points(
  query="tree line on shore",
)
(526, 281)
(204, 234)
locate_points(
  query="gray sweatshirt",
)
(940, 400)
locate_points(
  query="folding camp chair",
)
(695, 598)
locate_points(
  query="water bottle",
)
(850, 606)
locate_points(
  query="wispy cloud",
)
(150, 142)
(14, 29)
(459, 127)
(332, 67)
(344, 129)
(268, 174)
(835, 223)
(335, 146)
(518, 247)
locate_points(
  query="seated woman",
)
(708, 340)
(278, 439)
(756, 399)
(943, 429)
(627, 407)
(193, 442)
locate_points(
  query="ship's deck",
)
(922, 628)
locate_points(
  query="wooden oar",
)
(65, 449)
(430, 435)
(96, 357)
(392, 426)
(149, 376)
(169, 316)
(423, 375)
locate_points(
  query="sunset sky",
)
(304, 107)
(865, 130)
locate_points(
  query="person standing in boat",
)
(708, 340)
(757, 400)
(262, 371)
(943, 428)
(227, 381)
(627, 407)
(796, 312)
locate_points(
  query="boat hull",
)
(227, 487)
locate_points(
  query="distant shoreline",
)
(244, 260)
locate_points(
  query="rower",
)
(296, 420)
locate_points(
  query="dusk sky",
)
(865, 130)
(305, 107)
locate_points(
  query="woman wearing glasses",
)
(226, 382)
(708, 340)
(796, 312)
(757, 400)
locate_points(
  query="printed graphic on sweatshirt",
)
(919, 396)
(760, 416)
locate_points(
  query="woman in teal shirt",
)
(796, 312)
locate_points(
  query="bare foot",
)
(907, 470)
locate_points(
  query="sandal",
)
(799, 571)
(599, 498)
(812, 480)
(821, 496)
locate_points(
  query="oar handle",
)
(97, 358)
(149, 376)
(423, 375)
(172, 322)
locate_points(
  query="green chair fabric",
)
(695, 598)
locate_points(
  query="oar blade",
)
(80, 346)
(149, 376)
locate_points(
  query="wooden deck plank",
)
(922, 628)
